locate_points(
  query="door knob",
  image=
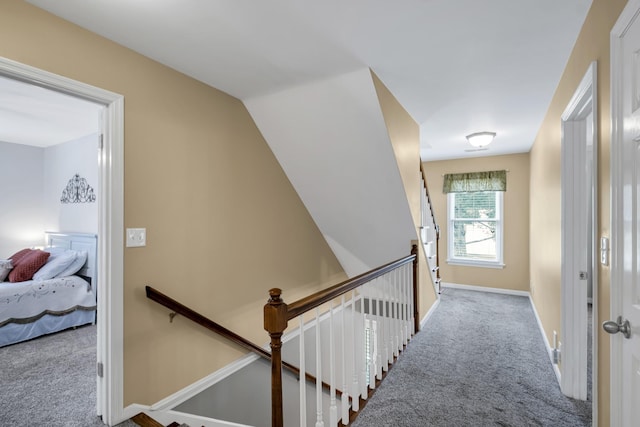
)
(614, 327)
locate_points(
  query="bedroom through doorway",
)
(110, 261)
(49, 149)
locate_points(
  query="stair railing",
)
(376, 314)
(430, 233)
(181, 309)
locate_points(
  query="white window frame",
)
(475, 262)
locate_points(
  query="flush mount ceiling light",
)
(481, 139)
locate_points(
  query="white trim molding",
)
(485, 289)
(199, 386)
(556, 369)
(579, 213)
(427, 316)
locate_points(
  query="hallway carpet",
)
(50, 381)
(480, 361)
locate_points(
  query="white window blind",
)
(475, 227)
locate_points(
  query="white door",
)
(625, 218)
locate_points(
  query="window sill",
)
(475, 263)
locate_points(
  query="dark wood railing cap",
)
(275, 313)
(274, 296)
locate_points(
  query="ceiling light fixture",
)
(481, 139)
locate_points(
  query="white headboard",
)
(78, 242)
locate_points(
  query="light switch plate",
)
(136, 237)
(604, 251)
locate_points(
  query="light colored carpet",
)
(480, 361)
(50, 381)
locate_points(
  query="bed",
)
(33, 308)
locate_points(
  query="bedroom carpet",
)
(50, 381)
(480, 361)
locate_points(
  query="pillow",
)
(56, 264)
(5, 268)
(27, 265)
(75, 266)
(18, 256)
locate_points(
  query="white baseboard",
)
(485, 289)
(556, 370)
(166, 417)
(426, 317)
(193, 389)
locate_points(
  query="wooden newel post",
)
(416, 318)
(275, 322)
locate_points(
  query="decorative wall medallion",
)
(78, 191)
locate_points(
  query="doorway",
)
(579, 234)
(110, 229)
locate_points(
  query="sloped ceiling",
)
(331, 139)
(457, 66)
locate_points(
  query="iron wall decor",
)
(78, 190)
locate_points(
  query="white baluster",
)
(302, 382)
(345, 389)
(333, 409)
(412, 323)
(355, 390)
(395, 321)
(403, 335)
(361, 352)
(401, 303)
(389, 304)
(379, 330)
(319, 422)
(405, 302)
(385, 324)
(372, 351)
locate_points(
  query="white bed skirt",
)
(12, 333)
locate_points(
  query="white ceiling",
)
(32, 115)
(457, 66)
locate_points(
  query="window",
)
(475, 228)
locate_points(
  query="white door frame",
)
(110, 227)
(631, 10)
(576, 134)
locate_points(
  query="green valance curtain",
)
(475, 181)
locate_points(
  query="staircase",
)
(332, 141)
(430, 233)
(143, 420)
(366, 323)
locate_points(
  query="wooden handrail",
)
(179, 308)
(198, 318)
(312, 301)
(277, 315)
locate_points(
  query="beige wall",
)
(405, 139)
(223, 222)
(515, 274)
(592, 45)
